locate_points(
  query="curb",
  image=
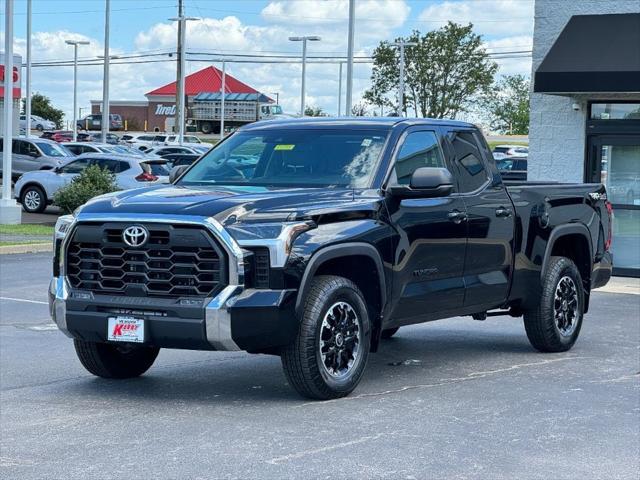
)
(26, 248)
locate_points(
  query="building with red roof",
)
(158, 111)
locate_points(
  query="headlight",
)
(62, 226)
(278, 237)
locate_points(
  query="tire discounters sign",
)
(17, 65)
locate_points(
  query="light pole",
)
(401, 45)
(27, 102)
(340, 89)
(223, 90)
(352, 22)
(277, 94)
(75, 44)
(180, 94)
(106, 119)
(311, 38)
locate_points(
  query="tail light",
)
(607, 243)
(146, 177)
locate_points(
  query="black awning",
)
(594, 53)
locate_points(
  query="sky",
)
(245, 27)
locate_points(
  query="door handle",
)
(503, 212)
(456, 216)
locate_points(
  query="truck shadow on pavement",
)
(417, 356)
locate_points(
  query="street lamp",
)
(401, 45)
(75, 44)
(180, 95)
(311, 38)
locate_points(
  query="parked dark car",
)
(94, 122)
(513, 168)
(62, 136)
(313, 239)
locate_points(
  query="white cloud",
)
(489, 17)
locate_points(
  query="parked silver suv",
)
(30, 154)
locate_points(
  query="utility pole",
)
(180, 70)
(223, 90)
(340, 89)
(75, 44)
(311, 38)
(106, 119)
(27, 102)
(10, 212)
(180, 75)
(401, 45)
(352, 21)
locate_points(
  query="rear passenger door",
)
(490, 223)
(430, 247)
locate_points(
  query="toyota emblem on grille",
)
(135, 235)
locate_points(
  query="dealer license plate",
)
(125, 329)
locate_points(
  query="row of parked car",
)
(511, 161)
(42, 165)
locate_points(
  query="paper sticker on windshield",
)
(366, 142)
(284, 147)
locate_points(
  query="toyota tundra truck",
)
(315, 239)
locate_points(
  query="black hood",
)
(230, 204)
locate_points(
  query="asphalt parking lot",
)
(450, 399)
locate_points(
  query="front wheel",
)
(115, 361)
(329, 355)
(555, 324)
(33, 199)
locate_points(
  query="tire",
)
(555, 324)
(308, 373)
(39, 127)
(389, 332)
(33, 199)
(115, 361)
(206, 127)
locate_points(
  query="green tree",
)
(508, 105)
(93, 181)
(445, 70)
(314, 112)
(41, 106)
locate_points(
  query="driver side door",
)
(431, 236)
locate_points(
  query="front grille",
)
(175, 261)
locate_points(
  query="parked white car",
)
(143, 141)
(167, 149)
(35, 190)
(503, 151)
(78, 148)
(37, 123)
(173, 140)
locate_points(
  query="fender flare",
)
(336, 251)
(561, 231)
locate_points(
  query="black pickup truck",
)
(315, 239)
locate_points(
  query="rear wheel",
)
(115, 361)
(206, 127)
(555, 324)
(33, 199)
(329, 355)
(389, 332)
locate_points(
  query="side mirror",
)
(34, 154)
(176, 172)
(426, 182)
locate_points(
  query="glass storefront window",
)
(620, 172)
(626, 238)
(615, 111)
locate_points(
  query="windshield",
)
(52, 150)
(286, 157)
(276, 110)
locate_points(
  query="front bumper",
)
(236, 319)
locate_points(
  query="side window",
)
(18, 147)
(472, 173)
(30, 149)
(112, 165)
(76, 167)
(419, 149)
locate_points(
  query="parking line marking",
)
(24, 300)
